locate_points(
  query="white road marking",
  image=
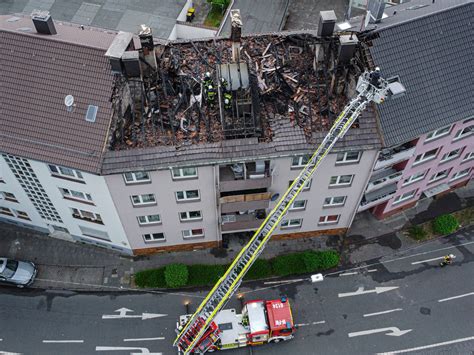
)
(361, 291)
(313, 323)
(143, 339)
(428, 260)
(320, 322)
(393, 331)
(348, 273)
(383, 312)
(110, 348)
(63, 341)
(372, 270)
(428, 346)
(282, 282)
(123, 314)
(455, 297)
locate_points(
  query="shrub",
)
(289, 264)
(329, 259)
(151, 278)
(445, 224)
(203, 275)
(260, 269)
(176, 275)
(417, 232)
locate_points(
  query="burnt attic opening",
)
(220, 89)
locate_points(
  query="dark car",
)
(18, 273)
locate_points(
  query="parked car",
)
(18, 273)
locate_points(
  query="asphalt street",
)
(402, 303)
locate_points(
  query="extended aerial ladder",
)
(191, 333)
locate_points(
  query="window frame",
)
(185, 198)
(400, 198)
(326, 221)
(445, 158)
(467, 157)
(331, 199)
(148, 222)
(338, 178)
(459, 135)
(8, 196)
(6, 211)
(96, 217)
(192, 236)
(141, 203)
(59, 172)
(306, 186)
(181, 176)
(22, 215)
(293, 208)
(345, 161)
(409, 181)
(153, 239)
(87, 198)
(436, 134)
(300, 159)
(289, 225)
(188, 218)
(457, 177)
(441, 177)
(423, 160)
(136, 180)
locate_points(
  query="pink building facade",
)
(432, 164)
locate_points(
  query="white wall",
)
(191, 32)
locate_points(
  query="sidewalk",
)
(65, 265)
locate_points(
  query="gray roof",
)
(258, 16)
(287, 141)
(431, 49)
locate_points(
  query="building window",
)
(188, 195)
(60, 229)
(150, 219)
(460, 174)
(463, 133)
(154, 237)
(8, 196)
(190, 216)
(193, 233)
(406, 196)
(87, 216)
(76, 195)
(334, 201)
(438, 133)
(22, 215)
(421, 158)
(143, 200)
(451, 155)
(306, 186)
(331, 219)
(136, 177)
(184, 173)
(291, 223)
(61, 171)
(414, 178)
(6, 211)
(468, 157)
(298, 205)
(2, 180)
(348, 157)
(439, 175)
(341, 180)
(300, 161)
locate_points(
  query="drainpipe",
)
(218, 206)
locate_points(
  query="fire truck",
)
(210, 327)
(259, 323)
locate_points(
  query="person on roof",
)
(227, 101)
(207, 80)
(211, 95)
(375, 77)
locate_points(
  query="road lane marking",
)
(282, 281)
(348, 273)
(383, 312)
(392, 331)
(455, 297)
(372, 270)
(361, 291)
(313, 323)
(125, 348)
(63, 341)
(428, 346)
(123, 314)
(428, 260)
(143, 339)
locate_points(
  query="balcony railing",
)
(393, 156)
(244, 177)
(384, 181)
(376, 197)
(246, 222)
(245, 202)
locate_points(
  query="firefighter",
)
(224, 85)
(375, 78)
(207, 80)
(227, 101)
(211, 95)
(190, 15)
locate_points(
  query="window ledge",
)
(68, 178)
(194, 237)
(25, 218)
(339, 186)
(11, 199)
(347, 162)
(290, 227)
(86, 202)
(334, 206)
(137, 182)
(326, 223)
(155, 241)
(150, 224)
(144, 204)
(87, 219)
(184, 178)
(422, 161)
(191, 200)
(190, 220)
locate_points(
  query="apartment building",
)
(427, 135)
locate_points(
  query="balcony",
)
(235, 203)
(376, 197)
(383, 178)
(389, 157)
(245, 176)
(241, 223)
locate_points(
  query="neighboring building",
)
(428, 133)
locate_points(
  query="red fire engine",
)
(261, 322)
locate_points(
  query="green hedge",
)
(417, 232)
(445, 224)
(207, 275)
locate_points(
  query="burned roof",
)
(429, 46)
(285, 91)
(38, 72)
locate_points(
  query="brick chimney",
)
(235, 33)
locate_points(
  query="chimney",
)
(131, 63)
(122, 42)
(235, 33)
(327, 21)
(347, 47)
(43, 22)
(148, 47)
(376, 8)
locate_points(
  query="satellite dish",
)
(69, 102)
